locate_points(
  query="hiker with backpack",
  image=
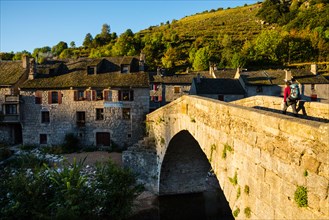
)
(290, 96)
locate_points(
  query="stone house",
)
(314, 86)
(12, 74)
(101, 101)
(167, 88)
(223, 89)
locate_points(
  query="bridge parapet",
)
(268, 155)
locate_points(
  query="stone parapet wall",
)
(313, 109)
(259, 157)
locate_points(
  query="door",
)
(103, 139)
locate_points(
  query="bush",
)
(71, 143)
(301, 196)
(68, 192)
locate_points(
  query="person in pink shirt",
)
(287, 101)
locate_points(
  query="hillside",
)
(239, 23)
(273, 33)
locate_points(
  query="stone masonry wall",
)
(63, 119)
(313, 109)
(259, 157)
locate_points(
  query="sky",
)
(26, 25)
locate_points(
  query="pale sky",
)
(26, 25)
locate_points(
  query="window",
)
(108, 95)
(54, 97)
(99, 95)
(155, 87)
(176, 89)
(99, 114)
(91, 70)
(81, 95)
(11, 109)
(43, 138)
(38, 97)
(126, 113)
(125, 69)
(45, 117)
(312, 86)
(126, 95)
(81, 117)
(259, 89)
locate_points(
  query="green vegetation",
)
(236, 212)
(246, 189)
(238, 193)
(270, 33)
(31, 189)
(300, 196)
(305, 173)
(247, 212)
(226, 148)
(193, 120)
(234, 180)
(162, 140)
(212, 148)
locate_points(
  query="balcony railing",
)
(12, 118)
(12, 98)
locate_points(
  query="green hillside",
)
(271, 33)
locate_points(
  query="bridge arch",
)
(185, 167)
(260, 158)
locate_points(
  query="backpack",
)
(294, 92)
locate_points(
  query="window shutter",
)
(75, 95)
(38, 97)
(106, 95)
(49, 97)
(119, 95)
(159, 98)
(59, 98)
(88, 95)
(93, 92)
(131, 98)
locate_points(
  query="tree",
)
(72, 44)
(125, 45)
(87, 42)
(7, 56)
(201, 60)
(18, 55)
(170, 58)
(58, 48)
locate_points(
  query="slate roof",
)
(77, 77)
(307, 77)
(10, 72)
(218, 86)
(264, 77)
(177, 78)
(225, 73)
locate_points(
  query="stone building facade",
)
(100, 101)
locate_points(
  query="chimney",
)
(288, 75)
(141, 61)
(314, 69)
(198, 78)
(25, 61)
(33, 71)
(212, 70)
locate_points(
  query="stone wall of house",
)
(6, 134)
(227, 98)
(275, 90)
(171, 95)
(321, 90)
(260, 158)
(63, 118)
(3, 93)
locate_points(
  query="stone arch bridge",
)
(260, 157)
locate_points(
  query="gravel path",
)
(96, 156)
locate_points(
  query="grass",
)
(300, 196)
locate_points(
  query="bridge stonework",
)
(260, 158)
